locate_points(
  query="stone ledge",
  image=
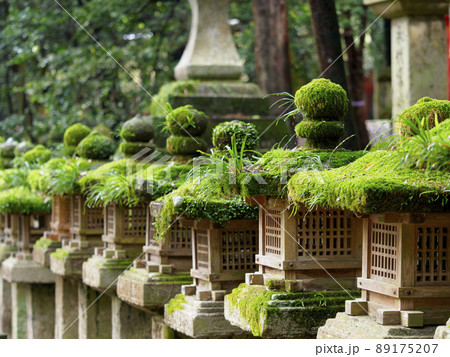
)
(150, 290)
(201, 319)
(344, 326)
(26, 271)
(68, 262)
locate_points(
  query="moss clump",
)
(75, 133)
(322, 99)
(43, 243)
(38, 155)
(185, 145)
(132, 148)
(60, 253)
(186, 121)
(138, 129)
(95, 146)
(22, 200)
(424, 113)
(320, 134)
(104, 130)
(68, 150)
(177, 303)
(223, 133)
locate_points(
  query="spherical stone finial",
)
(323, 105)
(96, 146)
(424, 114)
(138, 129)
(223, 133)
(75, 133)
(186, 121)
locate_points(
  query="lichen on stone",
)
(137, 129)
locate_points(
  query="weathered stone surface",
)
(129, 322)
(345, 327)
(159, 329)
(392, 9)
(5, 305)
(443, 332)
(94, 311)
(102, 273)
(5, 251)
(150, 290)
(42, 256)
(17, 270)
(66, 308)
(68, 262)
(210, 52)
(33, 310)
(202, 319)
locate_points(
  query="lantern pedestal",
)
(443, 332)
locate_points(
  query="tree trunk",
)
(328, 41)
(272, 51)
(357, 94)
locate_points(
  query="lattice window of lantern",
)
(324, 233)
(67, 211)
(432, 253)
(76, 214)
(383, 251)
(180, 237)
(238, 249)
(272, 233)
(94, 218)
(110, 220)
(202, 249)
(135, 221)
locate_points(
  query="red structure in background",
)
(448, 56)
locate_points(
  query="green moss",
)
(241, 131)
(68, 150)
(60, 254)
(185, 145)
(160, 105)
(75, 133)
(104, 130)
(22, 200)
(132, 148)
(95, 146)
(426, 110)
(43, 243)
(38, 155)
(320, 134)
(100, 173)
(22, 148)
(138, 129)
(322, 99)
(186, 121)
(177, 303)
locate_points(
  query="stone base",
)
(68, 262)
(19, 268)
(150, 290)
(33, 310)
(281, 314)
(443, 332)
(5, 306)
(129, 322)
(42, 250)
(5, 251)
(66, 308)
(345, 327)
(200, 319)
(94, 311)
(102, 273)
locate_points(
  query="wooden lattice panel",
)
(135, 221)
(433, 253)
(202, 249)
(272, 231)
(94, 218)
(180, 237)
(324, 233)
(384, 242)
(238, 249)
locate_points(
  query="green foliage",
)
(185, 145)
(7, 148)
(95, 146)
(22, 148)
(39, 179)
(320, 134)
(322, 99)
(424, 114)
(75, 133)
(242, 132)
(65, 179)
(22, 200)
(104, 130)
(38, 155)
(186, 121)
(10, 178)
(176, 304)
(138, 129)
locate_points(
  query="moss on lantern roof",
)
(10, 178)
(37, 155)
(75, 133)
(23, 201)
(385, 181)
(272, 171)
(149, 183)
